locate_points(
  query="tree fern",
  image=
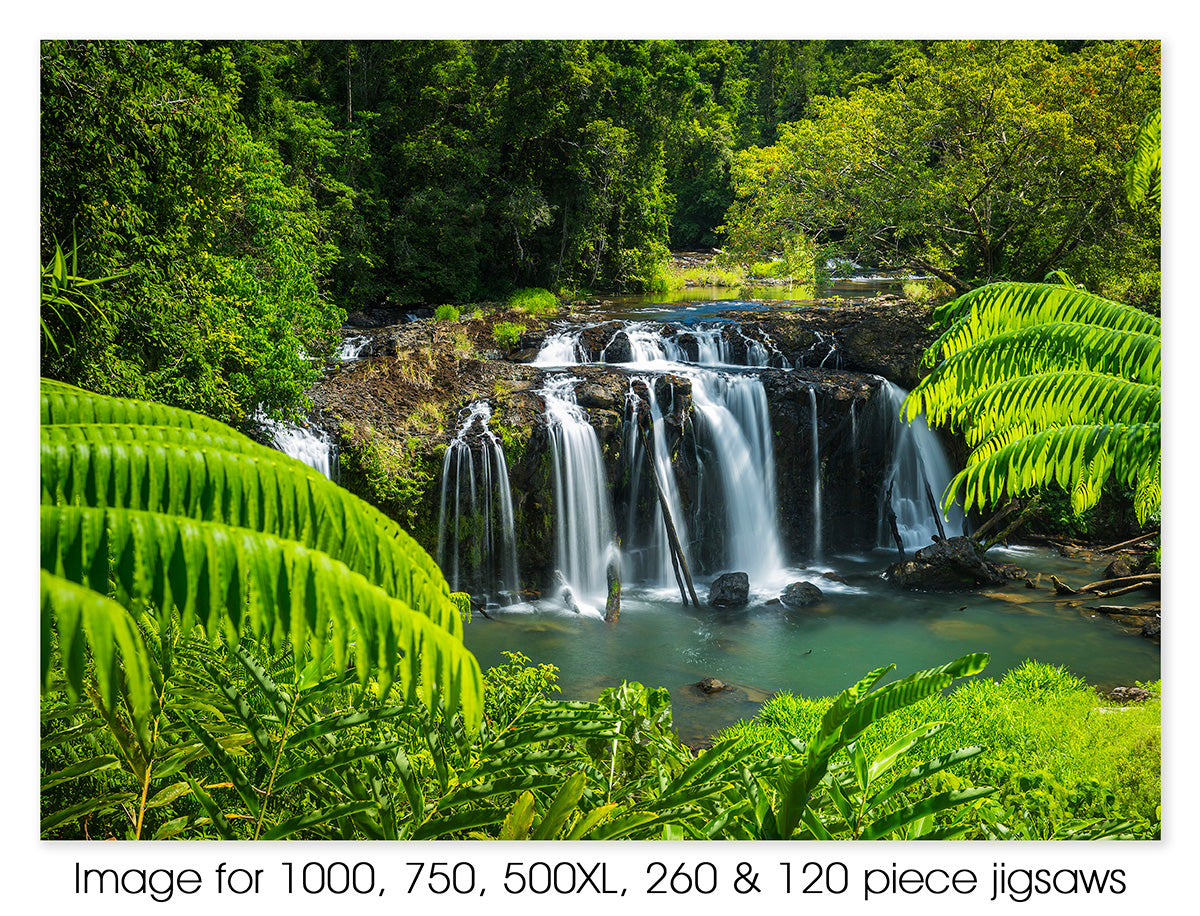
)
(1049, 384)
(153, 507)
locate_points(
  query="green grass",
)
(445, 313)
(507, 333)
(1055, 750)
(534, 301)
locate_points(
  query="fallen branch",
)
(1130, 542)
(1133, 610)
(1122, 591)
(1144, 579)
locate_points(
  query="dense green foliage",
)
(245, 195)
(158, 519)
(1060, 759)
(970, 160)
(1049, 384)
(218, 250)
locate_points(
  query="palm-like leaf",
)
(151, 506)
(1049, 384)
(1143, 172)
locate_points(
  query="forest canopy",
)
(244, 196)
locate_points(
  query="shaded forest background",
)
(240, 197)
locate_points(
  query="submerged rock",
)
(730, 590)
(801, 594)
(947, 565)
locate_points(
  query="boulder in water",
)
(730, 590)
(801, 594)
(711, 685)
(948, 565)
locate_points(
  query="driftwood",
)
(1107, 588)
(678, 561)
(1131, 541)
(1134, 610)
(891, 517)
(933, 507)
(997, 517)
(1145, 578)
(1012, 526)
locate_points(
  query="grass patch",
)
(507, 333)
(1055, 751)
(534, 301)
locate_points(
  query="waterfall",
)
(353, 345)
(560, 349)
(917, 459)
(816, 476)
(312, 445)
(647, 551)
(650, 343)
(477, 545)
(730, 412)
(583, 518)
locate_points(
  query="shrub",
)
(507, 333)
(445, 313)
(533, 301)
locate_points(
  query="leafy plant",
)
(445, 313)
(151, 509)
(65, 294)
(507, 333)
(1049, 384)
(1143, 172)
(533, 301)
(783, 798)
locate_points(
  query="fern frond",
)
(256, 488)
(1055, 399)
(1143, 171)
(151, 507)
(999, 307)
(1032, 350)
(1078, 458)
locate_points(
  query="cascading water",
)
(731, 418)
(583, 517)
(648, 559)
(477, 545)
(312, 445)
(816, 476)
(352, 346)
(918, 462)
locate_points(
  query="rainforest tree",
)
(971, 160)
(147, 166)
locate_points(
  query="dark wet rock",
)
(801, 594)
(1118, 569)
(953, 564)
(730, 590)
(711, 685)
(1130, 694)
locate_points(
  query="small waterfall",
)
(583, 517)
(917, 460)
(352, 346)
(649, 344)
(647, 551)
(816, 476)
(731, 415)
(561, 349)
(477, 545)
(311, 444)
